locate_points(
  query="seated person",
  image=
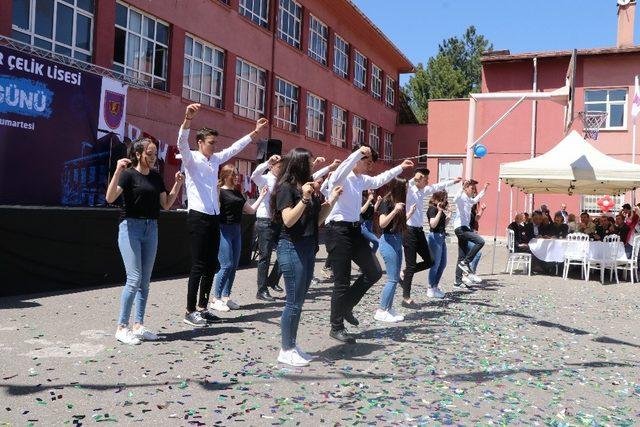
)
(572, 223)
(587, 226)
(520, 234)
(621, 229)
(527, 220)
(547, 226)
(534, 228)
(558, 229)
(606, 227)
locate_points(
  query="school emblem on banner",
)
(113, 109)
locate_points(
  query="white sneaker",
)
(232, 305)
(399, 316)
(435, 293)
(466, 280)
(144, 334)
(292, 358)
(474, 278)
(219, 305)
(303, 354)
(385, 316)
(125, 336)
(440, 292)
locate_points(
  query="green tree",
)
(455, 72)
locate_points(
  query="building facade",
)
(324, 75)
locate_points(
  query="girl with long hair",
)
(144, 195)
(393, 222)
(438, 215)
(232, 206)
(300, 209)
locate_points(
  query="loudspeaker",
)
(268, 148)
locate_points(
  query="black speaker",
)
(268, 148)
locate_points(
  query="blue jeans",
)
(296, 264)
(367, 232)
(228, 257)
(438, 246)
(391, 250)
(476, 259)
(138, 243)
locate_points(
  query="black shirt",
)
(368, 214)
(231, 204)
(141, 194)
(287, 196)
(432, 212)
(395, 226)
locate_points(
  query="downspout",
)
(272, 77)
(534, 115)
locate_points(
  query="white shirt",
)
(202, 173)
(464, 203)
(416, 196)
(347, 207)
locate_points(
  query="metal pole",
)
(468, 173)
(495, 229)
(534, 114)
(633, 147)
(500, 120)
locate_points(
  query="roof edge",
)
(559, 53)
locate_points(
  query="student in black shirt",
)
(367, 213)
(438, 215)
(232, 206)
(144, 194)
(300, 209)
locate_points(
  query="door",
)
(450, 169)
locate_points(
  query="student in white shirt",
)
(346, 242)
(203, 221)
(464, 201)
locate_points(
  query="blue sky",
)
(418, 26)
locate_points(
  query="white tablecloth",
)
(552, 250)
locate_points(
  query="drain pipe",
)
(534, 115)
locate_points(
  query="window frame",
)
(316, 35)
(291, 124)
(214, 69)
(422, 151)
(339, 51)
(297, 20)
(376, 80)
(321, 133)
(608, 103)
(251, 15)
(356, 66)
(32, 35)
(252, 113)
(358, 133)
(341, 140)
(390, 91)
(388, 146)
(374, 137)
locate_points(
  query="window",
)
(338, 127)
(611, 101)
(64, 27)
(422, 151)
(250, 90)
(376, 82)
(341, 57)
(360, 70)
(290, 22)
(286, 111)
(141, 47)
(318, 36)
(358, 131)
(388, 146)
(374, 137)
(203, 72)
(590, 204)
(315, 116)
(391, 92)
(256, 10)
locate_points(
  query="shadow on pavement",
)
(194, 334)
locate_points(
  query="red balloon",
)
(606, 203)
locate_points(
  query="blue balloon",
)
(480, 151)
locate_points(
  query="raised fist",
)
(192, 110)
(407, 164)
(122, 164)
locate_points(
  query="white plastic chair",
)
(631, 265)
(608, 259)
(516, 259)
(576, 253)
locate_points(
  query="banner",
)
(49, 154)
(113, 104)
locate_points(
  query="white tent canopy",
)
(572, 167)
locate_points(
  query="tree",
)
(455, 72)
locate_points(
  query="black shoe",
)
(194, 319)
(460, 285)
(265, 296)
(209, 317)
(342, 336)
(412, 305)
(277, 288)
(349, 317)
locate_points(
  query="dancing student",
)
(367, 212)
(232, 206)
(299, 209)
(144, 194)
(393, 222)
(438, 215)
(474, 224)
(347, 243)
(203, 220)
(415, 242)
(464, 201)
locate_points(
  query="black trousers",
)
(268, 235)
(466, 235)
(345, 245)
(204, 231)
(415, 243)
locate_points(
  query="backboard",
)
(570, 82)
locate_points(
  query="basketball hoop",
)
(592, 121)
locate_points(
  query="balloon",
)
(606, 203)
(479, 151)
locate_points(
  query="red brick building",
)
(321, 71)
